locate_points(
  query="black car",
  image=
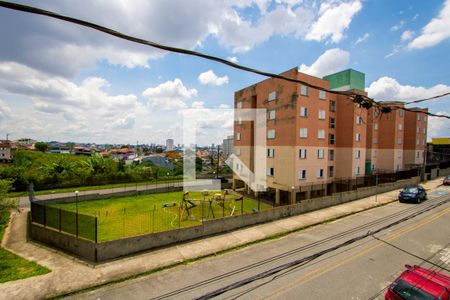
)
(414, 193)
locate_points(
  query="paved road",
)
(358, 270)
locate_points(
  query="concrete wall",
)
(68, 243)
(113, 249)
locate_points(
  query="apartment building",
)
(395, 140)
(5, 151)
(313, 137)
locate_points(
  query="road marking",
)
(375, 244)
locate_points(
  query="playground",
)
(121, 217)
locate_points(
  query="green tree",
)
(41, 146)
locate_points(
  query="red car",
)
(446, 180)
(419, 283)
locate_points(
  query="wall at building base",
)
(105, 251)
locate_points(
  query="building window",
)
(398, 168)
(401, 113)
(270, 152)
(357, 170)
(357, 153)
(320, 173)
(424, 118)
(418, 117)
(331, 154)
(304, 90)
(333, 106)
(322, 115)
(303, 111)
(375, 126)
(376, 113)
(302, 174)
(330, 171)
(399, 154)
(272, 96)
(239, 104)
(418, 130)
(375, 140)
(320, 153)
(271, 134)
(270, 171)
(418, 154)
(321, 134)
(424, 131)
(399, 141)
(238, 151)
(332, 123)
(359, 120)
(400, 126)
(238, 136)
(239, 120)
(272, 114)
(417, 142)
(304, 133)
(322, 95)
(302, 153)
(358, 137)
(332, 139)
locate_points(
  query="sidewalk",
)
(70, 274)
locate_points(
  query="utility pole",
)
(7, 136)
(218, 162)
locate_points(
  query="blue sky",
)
(62, 82)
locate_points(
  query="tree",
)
(41, 146)
(198, 164)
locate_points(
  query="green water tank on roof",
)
(346, 80)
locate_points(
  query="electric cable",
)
(364, 101)
(309, 258)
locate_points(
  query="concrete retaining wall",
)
(68, 243)
(113, 249)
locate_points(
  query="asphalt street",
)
(352, 258)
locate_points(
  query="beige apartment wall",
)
(284, 167)
(346, 162)
(410, 157)
(388, 159)
(311, 164)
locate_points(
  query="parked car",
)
(446, 180)
(419, 283)
(412, 193)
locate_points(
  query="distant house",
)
(25, 142)
(158, 161)
(5, 151)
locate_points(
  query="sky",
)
(59, 81)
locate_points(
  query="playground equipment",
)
(196, 209)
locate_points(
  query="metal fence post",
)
(45, 216)
(60, 215)
(96, 230)
(76, 224)
(179, 216)
(242, 206)
(153, 219)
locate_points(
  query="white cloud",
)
(169, 95)
(209, 77)
(198, 104)
(395, 50)
(4, 110)
(333, 21)
(407, 35)
(362, 39)
(387, 88)
(124, 123)
(398, 26)
(438, 127)
(329, 62)
(233, 59)
(436, 31)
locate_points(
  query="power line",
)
(427, 99)
(364, 101)
(410, 253)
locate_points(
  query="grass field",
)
(13, 267)
(135, 215)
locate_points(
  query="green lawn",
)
(13, 267)
(135, 215)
